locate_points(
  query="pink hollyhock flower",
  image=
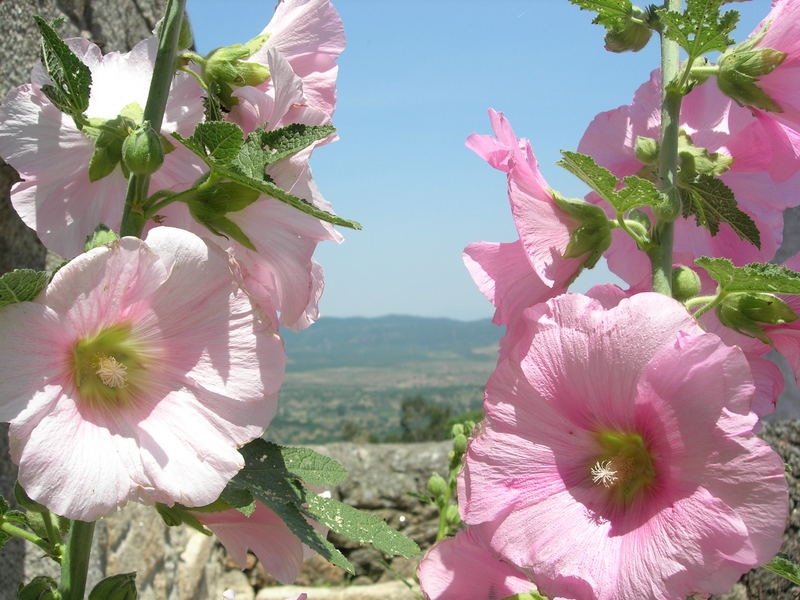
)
(280, 275)
(617, 458)
(764, 175)
(516, 275)
(462, 567)
(310, 35)
(265, 534)
(56, 198)
(136, 375)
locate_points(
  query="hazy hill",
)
(358, 371)
(387, 341)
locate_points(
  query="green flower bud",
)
(685, 283)
(460, 443)
(451, 515)
(633, 37)
(739, 70)
(116, 587)
(142, 152)
(437, 486)
(646, 150)
(457, 429)
(226, 70)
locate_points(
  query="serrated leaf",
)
(240, 499)
(263, 186)
(612, 14)
(584, 167)
(4, 538)
(639, 192)
(312, 467)
(359, 526)
(21, 285)
(266, 477)
(40, 588)
(282, 143)
(755, 277)
(712, 202)
(72, 78)
(701, 28)
(220, 140)
(4, 506)
(212, 109)
(16, 517)
(784, 566)
(101, 236)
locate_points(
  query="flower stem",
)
(661, 255)
(26, 535)
(75, 563)
(133, 217)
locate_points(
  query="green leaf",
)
(282, 143)
(101, 236)
(212, 109)
(755, 277)
(359, 526)
(612, 14)
(4, 539)
(266, 477)
(701, 28)
(116, 587)
(639, 192)
(532, 595)
(784, 566)
(178, 514)
(240, 499)
(72, 78)
(40, 588)
(21, 285)
(712, 202)
(220, 140)
(245, 171)
(312, 467)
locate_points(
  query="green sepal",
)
(101, 236)
(700, 28)
(72, 78)
(532, 595)
(22, 285)
(116, 587)
(40, 588)
(590, 239)
(633, 36)
(755, 277)
(361, 527)
(178, 514)
(743, 311)
(226, 69)
(221, 146)
(694, 161)
(266, 477)
(646, 150)
(108, 136)
(640, 217)
(745, 91)
(210, 205)
(712, 203)
(784, 566)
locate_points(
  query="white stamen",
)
(604, 473)
(111, 372)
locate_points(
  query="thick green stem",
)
(661, 255)
(133, 218)
(75, 563)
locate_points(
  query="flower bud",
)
(685, 283)
(116, 587)
(634, 36)
(457, 429)
(437, 486)
(460, 443)
(739, 70)
(451, 515)
(744, 311)
(646, 150)
(142, 152)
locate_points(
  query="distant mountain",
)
(385, 341)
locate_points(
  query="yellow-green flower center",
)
(624, 466)
(106, 364)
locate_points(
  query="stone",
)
(378, 591)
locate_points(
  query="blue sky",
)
(416, 79)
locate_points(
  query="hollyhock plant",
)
(628, 431)
(763, 176)
(265, 534)
(56, 197)
(462, 567)
(516, 275)
(135, 375)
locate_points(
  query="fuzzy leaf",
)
(21, 285)
(240, 499)
(312, 467)
(712, 202)
(40, 588)
(220, 140)
(101, 236)
(72, 78)
(611, 14)
(701, 28)
(755, 277)
(784, 566)
(282, 143)
(359, 526)
(266, 477)
(117, 587)
(639, 192)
